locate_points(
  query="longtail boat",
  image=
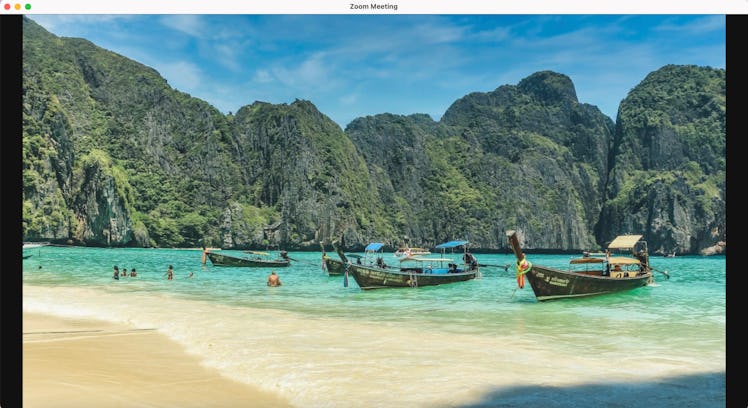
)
(257, 260)
(429, 272)
(587, 275)
(334, 267)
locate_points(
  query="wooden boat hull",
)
(235, 261)
(377, 278)
(548, 283)
(334, 267)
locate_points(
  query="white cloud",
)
(311, 73)
(348, 99)
(697, 26)
(59, 24)
(182, 75)
(190, 24)
(262, 76)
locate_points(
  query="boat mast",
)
(514, 243)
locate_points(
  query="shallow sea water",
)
(476, 343)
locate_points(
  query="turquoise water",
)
(313, 338)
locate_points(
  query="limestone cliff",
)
(113, 156)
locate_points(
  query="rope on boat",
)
(523, 266)
(324, 266)
(413, 282)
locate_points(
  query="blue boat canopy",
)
(374, 246)
(451, 244)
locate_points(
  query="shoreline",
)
(477, 251)
(91, 363)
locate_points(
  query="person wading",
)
(274, 279)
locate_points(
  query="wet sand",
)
(88, 363)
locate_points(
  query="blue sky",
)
(358, 65)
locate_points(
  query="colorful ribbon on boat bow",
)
(523, 267)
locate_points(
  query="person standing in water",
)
(169, 273)
(274, 279)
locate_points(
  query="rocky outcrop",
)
(101, 204)
(719, 249)
(301, 165)
(113, 156)
(667, 178)
(548, 157)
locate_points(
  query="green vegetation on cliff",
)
(113, 156)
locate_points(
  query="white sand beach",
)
(89, 363)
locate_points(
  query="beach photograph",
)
(224, 338)
(312, 211)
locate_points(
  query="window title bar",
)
(375, 7)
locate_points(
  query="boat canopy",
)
(425, 259)
(622, 260)
(374, 246)
(615, 260)
(587, 260)
(624, 242)
(451, 244)
(412, 249)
